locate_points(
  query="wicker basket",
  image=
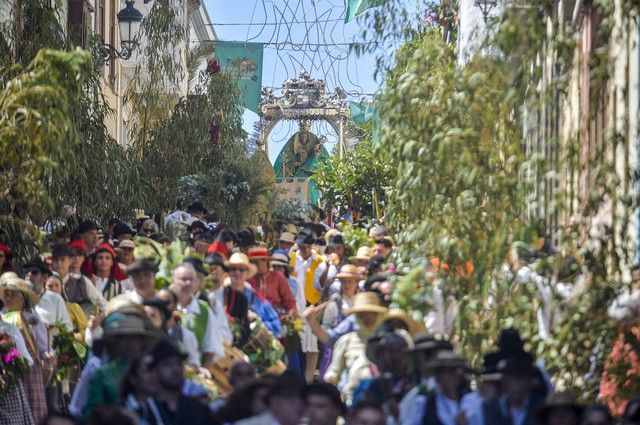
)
(221, 367)
(258, 340)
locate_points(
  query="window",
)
(78, 21)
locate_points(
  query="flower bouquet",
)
(13, 366)
(207, 383)
(70, 355)
(291, 340)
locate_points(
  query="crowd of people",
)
(173, 354)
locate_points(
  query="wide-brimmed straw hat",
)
(413, 326)
(349, 271)
(9, 281)
(367, 302)
(558, 400)
(363, 255)
(242, 261)
(287, 237)
(258, 253)
(280, 259)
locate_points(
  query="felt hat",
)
(448, 359)
(9, 281)
(127, 244)
(37, 263)
(558, 400)
(425, 341)
(305, 237)
(287, 237)
(349, 271)
(385, 340)
(258, 253)
(490, 367)
(122, 229)
(246, 238)
(335, 240)
(242, 261)
(363, 255)
(280, 258)
(520, 364)
(164, 349)
(87, 225)
(142, 265)
(197, 224)
(118, 323)
(367, 302)
(413, 326)
(196, 207)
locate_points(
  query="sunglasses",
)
(235, 269)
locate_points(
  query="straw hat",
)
(367, 302)
(127, 244)
(258, 253)
(10, 281)
(280, 259)
(242, 261)
(287, 237)
(413, 326)
(349, 271)
(363, 255)
(558, 400)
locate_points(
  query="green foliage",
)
(464, 189)
(359, 179)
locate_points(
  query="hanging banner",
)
(363, 112)
(358, 7)
(245, 61)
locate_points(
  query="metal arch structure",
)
(303, 99)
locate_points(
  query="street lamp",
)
(129, 20)
(485, 7)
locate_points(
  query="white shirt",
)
(101, 282)
(51, 308)
(212, 342)
(92, 291)
(220, 314)
(190, 344)
(300, 268)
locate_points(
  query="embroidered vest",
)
(311, 294)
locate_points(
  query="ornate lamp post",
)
(129, 20)
(485, 6)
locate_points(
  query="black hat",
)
(122, 229)
(327, 390)
(510, 342)
(141, 265)
(305, 237)
(37, 263)
(214, 259)
(87, 225)
(246, 238)
(196, 263)
(424, 341)
(161, 305)
(335, 240)
(197, 206)
(517, 365)
(197, 225)
(558, 400)
(490, 367)
(289, 385)
(164, 349)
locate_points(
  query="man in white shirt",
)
(77, 287)
(51, 307)
(142, 274)
(196, 314)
